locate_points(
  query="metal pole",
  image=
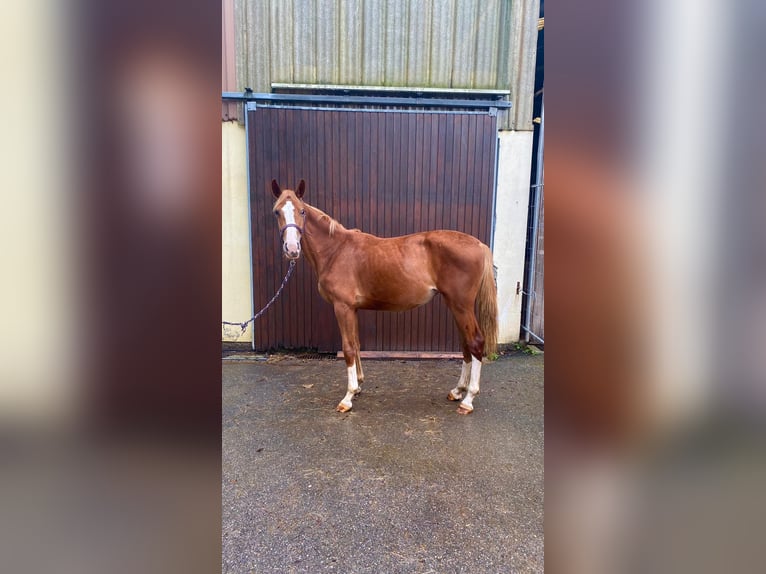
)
(536, 192)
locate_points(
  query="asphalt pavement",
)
(402, 483)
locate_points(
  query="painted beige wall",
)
(514, 163)
(235, 233)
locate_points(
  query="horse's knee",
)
(350, 354)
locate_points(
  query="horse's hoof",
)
(452, 397)
(461, 410)
(341, 408)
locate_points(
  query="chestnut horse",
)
(356, 270)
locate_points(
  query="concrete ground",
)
(399, 484)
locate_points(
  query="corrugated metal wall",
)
(466, 44)
(228, 58)
(386, 173)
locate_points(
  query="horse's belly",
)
(396, 300)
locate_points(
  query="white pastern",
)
(473, 385)
(353, 386)
(291, 239)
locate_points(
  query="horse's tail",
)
(486, 302)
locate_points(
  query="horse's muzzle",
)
(292, 251)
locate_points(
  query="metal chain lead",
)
(244, 325)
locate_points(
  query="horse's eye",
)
(303, 212)
(276, 213)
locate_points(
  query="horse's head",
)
(291, 217)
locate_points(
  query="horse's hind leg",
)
(349, 332)
(466, 405)
(456, 394)
(359, 371)
(473, 350)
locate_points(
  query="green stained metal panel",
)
(373, 43)
(351, 26)
(459, 44)
(253, 44)
(282, 41)
(442, 43)
(397, 41)
(464, 64)
(305, 40)
(328, 42)
(488, 15)
(418, 54)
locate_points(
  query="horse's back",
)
(441, 250)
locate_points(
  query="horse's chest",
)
(332, 290)
(323, 292)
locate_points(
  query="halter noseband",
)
(289, 225)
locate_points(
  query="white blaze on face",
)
(291, 238)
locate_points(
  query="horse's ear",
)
(275, 188)
(301, 189)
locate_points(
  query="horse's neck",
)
(318, 244)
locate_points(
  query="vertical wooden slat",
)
(397, 206)
(337, 163)
(473, 159)
(369, 176)
(433, 181)
(409, 181)
(422, 170)
(311, 148)
(280, 313)
(490, 137)
(256, 146)
(439, 191)
(377, 222)
(464, 224)
(342, 160)
(362, 148)
(275, 317)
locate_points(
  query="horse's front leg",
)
(347, 321)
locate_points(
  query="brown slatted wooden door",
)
(385, 172)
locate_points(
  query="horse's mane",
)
(334, 225)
